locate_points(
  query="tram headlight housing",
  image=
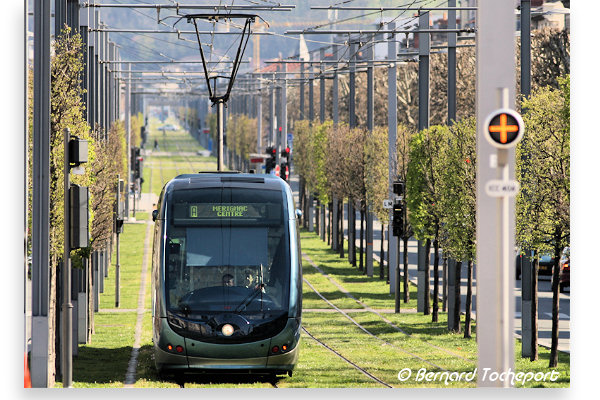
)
(227, 330)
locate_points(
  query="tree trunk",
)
(341, 226)
(468, 299)
(555, 297)
(427, 288)
(382, 252)
(329, 213)
(362, 234)
(351, 233)
(444, 283)
(317, 217)
(436, 281)
(405, 275)
(534, 308)
(456, 315)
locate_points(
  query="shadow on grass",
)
(101, 365)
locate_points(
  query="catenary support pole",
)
(451, 64)
(220, 165)
(495, 216)
(41, 195)
(128, 181)
(423, 270)
(392, 50)
(67, 306)
(370, 52)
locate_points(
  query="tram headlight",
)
(227, 330)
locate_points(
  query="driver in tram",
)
(227, 280)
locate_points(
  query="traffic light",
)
(272, 160)
(285, 169)
(136, 162)
(398, 188)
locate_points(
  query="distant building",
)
(549, 14)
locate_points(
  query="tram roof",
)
(212, 179)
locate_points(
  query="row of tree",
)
(439, 167)
(107, 159)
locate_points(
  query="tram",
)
(226, 275)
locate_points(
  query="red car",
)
(565, 269)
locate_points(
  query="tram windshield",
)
(227, 252)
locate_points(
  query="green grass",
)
(132, 251)
(374, 293)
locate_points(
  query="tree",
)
(376, 177)
(458, 201)
(543, 167)
(423, 194)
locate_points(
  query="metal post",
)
(60, 16)
(128, 138)
(259, 118)
(73, 15)
(335, 109)
(302, 116)
(526, 47)
(272, 116)
(41, 195)
(451, 64)
(394, 272)
(67, 306)
(370, 123)
(283, 116)
(118, 255)
(352, 86)
(322, 87)
(424, 48)
(220, 166)
(311, 96)
(83, 31)
(495, 216)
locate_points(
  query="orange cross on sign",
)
(504, 128)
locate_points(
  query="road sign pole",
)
(495, 216)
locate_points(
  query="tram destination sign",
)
(504, 128)
(231, 211)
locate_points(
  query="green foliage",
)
(423, 181)
(320, 160)
(241, 134)
(543, 168)
(67, 111)
(302, 151)
(376, 171)
(137, 121)
(211, 121)
(459, 190)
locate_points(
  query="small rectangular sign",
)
(498, 188)
(389, 204)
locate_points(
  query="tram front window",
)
(227, 252)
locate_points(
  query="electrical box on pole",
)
(79, 197)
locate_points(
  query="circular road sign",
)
(504, 128)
